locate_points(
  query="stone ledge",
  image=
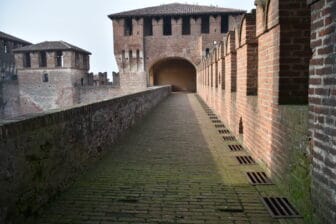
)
(15, 126)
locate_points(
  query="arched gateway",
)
(165, 32)
(178, 72)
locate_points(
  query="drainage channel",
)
(278, 207)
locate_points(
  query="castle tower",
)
(163, 44)
(48, 73)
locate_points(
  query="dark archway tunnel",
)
(178, 72)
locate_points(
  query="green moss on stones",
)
(296, 182)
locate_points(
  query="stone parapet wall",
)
(42, 154)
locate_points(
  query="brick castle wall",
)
(137, 53)
(91, 94)
(263, 95)
(322, 107)
(64, 86)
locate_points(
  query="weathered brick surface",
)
(67, 85)
(59, 90)
(135, 71)
(9, 102)
(322, 104)
(9, 98)
(272, 53)
(91, 94)
(41, 155)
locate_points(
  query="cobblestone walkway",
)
(173, 167)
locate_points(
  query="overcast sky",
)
(83, 23)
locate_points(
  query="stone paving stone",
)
(173, 167)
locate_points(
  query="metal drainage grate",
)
(219, 125)
(235, 147)
(224, 131)
(229, 138)
(258, 178)
(216, 121)
(245, 160)
(280, 207)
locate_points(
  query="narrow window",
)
(205, 24)
(138, 56)
(43, 59)
(123, 55)
(241, 127)
(130, 54)
(82, 82)
(224, 24)
(45, 77)
(26, 61)
(5, 47)
(167, 29)
(185, 25)
(148, 27)
(85, 61)
(77, 59)
(59, 58)
(207, 51)
(128, 27)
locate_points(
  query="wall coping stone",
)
(18, 125)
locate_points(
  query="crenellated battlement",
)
(143, 39)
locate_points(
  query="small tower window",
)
(185, 25)
(59, 58)
(138, 55)
(85, 61)
(26, 60)
(5, 47)
(207, 51)
(148, 27)
(45, 77)
(123, 55)
(224, 24)
(43, 59)
(128, 27)
(241, 127)
(205, 24)
(130, 54)
(167, 28)
(77, 59)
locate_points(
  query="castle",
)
(163, 44)
(268, 74)
(48, 75)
